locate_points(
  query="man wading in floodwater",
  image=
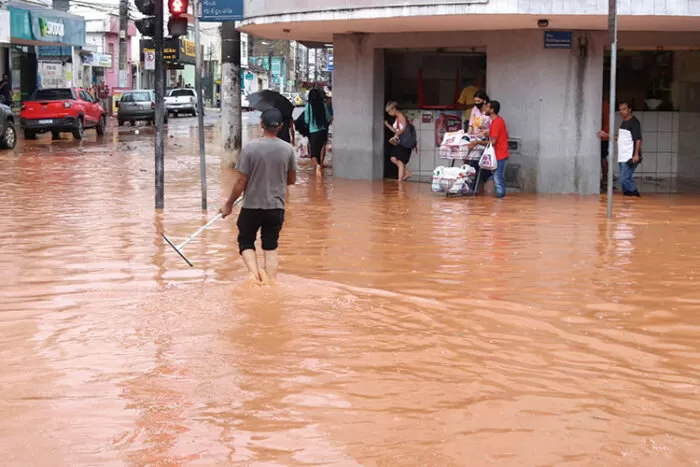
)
(264, 169)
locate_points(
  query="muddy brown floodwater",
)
(406, 329)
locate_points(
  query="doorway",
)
(427, 85)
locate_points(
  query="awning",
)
(35, 25)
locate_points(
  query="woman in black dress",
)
(399, 155)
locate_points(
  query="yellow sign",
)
(188, 48)
(116, 97)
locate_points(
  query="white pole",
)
(200, 102)
(613, 85)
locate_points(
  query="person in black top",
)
(629, 147)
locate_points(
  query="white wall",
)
(356, 9)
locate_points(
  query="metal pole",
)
(160, 107)
(123, 30)
(200, 103)
(613, 85)
(269, 70)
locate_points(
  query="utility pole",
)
(123, 30)
(160, 106)
(612, 28)
(230, 93)
(200, 102)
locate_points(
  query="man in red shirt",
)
(499, 139)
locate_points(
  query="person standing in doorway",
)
(264, 169)
(466, 99)
(629, 149)
(400, 155)
(318, 119)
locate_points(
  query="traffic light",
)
(177, 24)
(146, 25)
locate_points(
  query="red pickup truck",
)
(61, 110)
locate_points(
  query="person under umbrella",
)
(268, 99)
(318, 119)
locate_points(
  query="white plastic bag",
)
(453, 180)
(488, 159)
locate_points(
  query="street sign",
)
(557, 39)
(149, 59)
(221, 10)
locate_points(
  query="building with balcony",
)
(545, 61)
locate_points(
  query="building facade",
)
(43, 48)
(546, 62)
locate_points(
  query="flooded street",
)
(406, 329)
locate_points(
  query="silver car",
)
(137, 105)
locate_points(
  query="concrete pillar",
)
(551, 100)
(358, 101)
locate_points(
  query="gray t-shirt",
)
(266, 162)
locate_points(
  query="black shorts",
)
(401, 153)
(252, 220)
(316, 142)
(604, 149)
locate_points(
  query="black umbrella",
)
(267, 99)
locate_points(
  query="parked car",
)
(137, 105)
(61, 110)
(181, 101)
(8, 133)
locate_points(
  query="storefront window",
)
(645, 79)
(440, 75)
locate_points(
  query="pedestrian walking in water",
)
(400, 155)
(265, 167)
(318, 118)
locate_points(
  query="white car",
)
(181, 101)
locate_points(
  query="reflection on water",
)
(406, 329)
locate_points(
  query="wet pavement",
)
(406, 328)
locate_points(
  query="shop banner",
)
(46, 25)
(98, 60)
(188, 52)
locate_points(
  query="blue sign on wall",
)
(222, 10)
(330, 62)
(557, 39)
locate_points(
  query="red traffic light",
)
(178, 7)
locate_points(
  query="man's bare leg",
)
(250, 260)
(272, 264)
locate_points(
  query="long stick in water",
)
(178, 248)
